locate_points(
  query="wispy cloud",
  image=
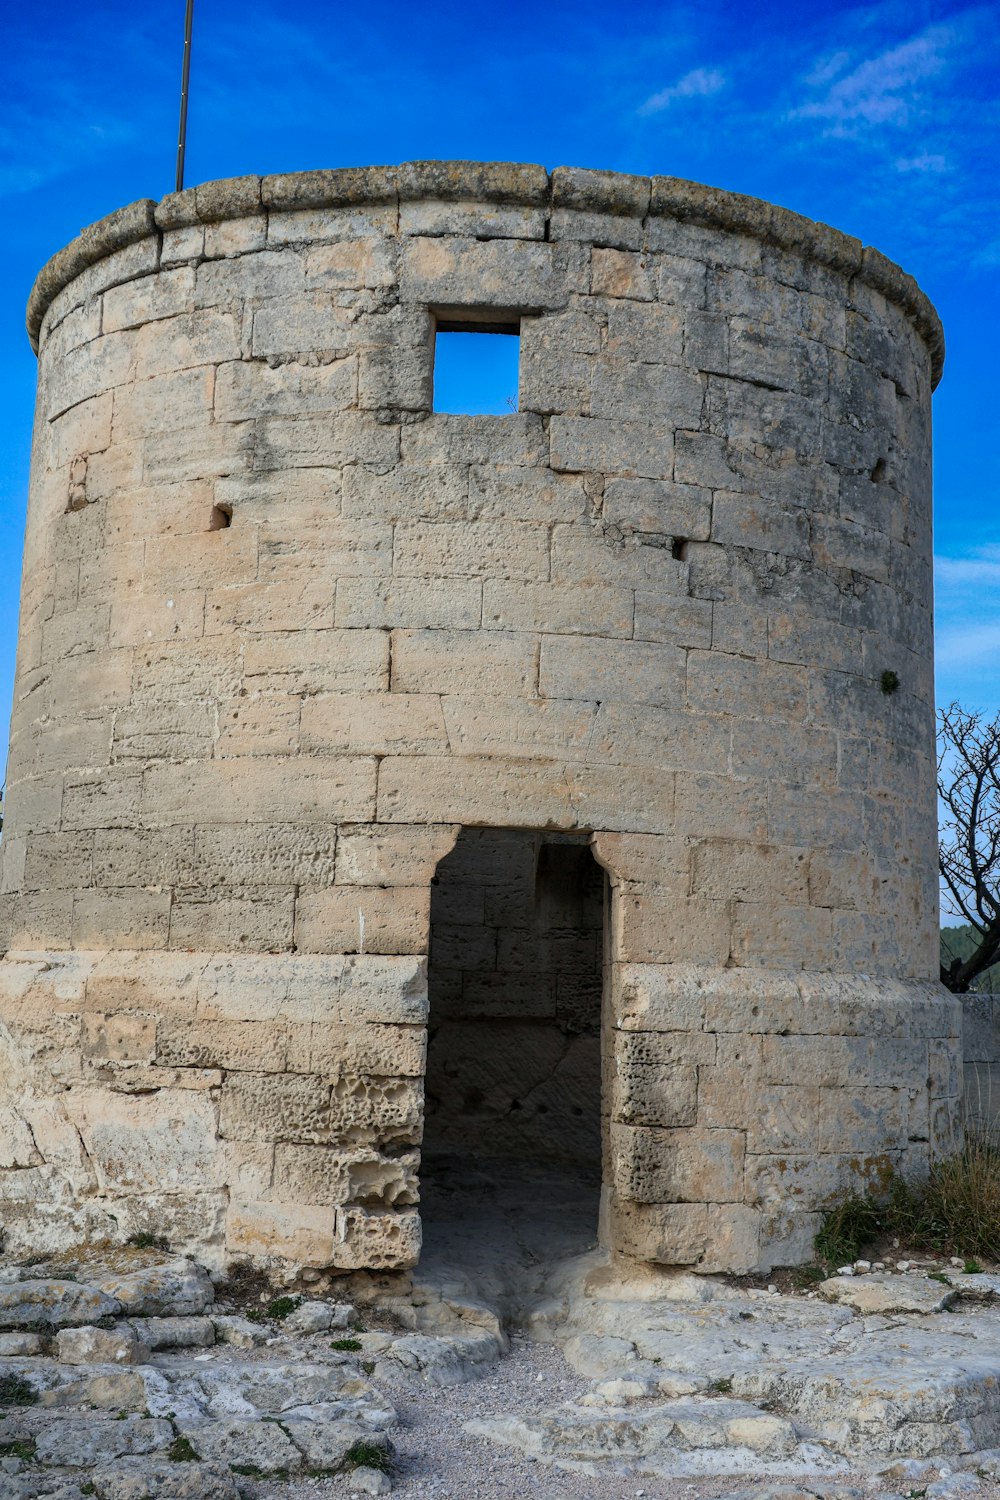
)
(879, 90)
(700, 83)
(928, 161)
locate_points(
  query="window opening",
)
(476, 364)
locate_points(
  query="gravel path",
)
(437, 1460)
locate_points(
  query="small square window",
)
(476, 366)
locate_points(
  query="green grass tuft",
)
(16, 1391)
(347, 1345)
(144, 1240)
(181, 1452)
(19, 1448)
(365, 1455)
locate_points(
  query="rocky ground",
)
(511, 1365)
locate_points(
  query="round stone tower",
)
(288, 635)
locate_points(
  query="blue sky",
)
(881, 119)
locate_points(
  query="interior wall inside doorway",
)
(516, 942)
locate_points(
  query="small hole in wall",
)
(879, 471)
(476, 363)
(679, 549)
(221, 517)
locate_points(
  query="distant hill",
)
(958, 942)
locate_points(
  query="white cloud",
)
(700, 83)
(880, 90)
(927, 162)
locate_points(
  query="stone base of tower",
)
(271, 1107)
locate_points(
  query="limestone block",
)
(300, 324)
(485, 221)
(611, 446)
(373, 855)
(888, 1294)
(119, 1038)
(125, 918)
(684, 622)
(57, 861)
(243, 1046)
(513, 606)
(621, 387)
(513, 493)
(447, 661)
(411, 603)
(724, 869)
(674, 510)
(252, 388)
(448, 439)
(657, 1166)
(370, 724)
(382, 1049)
(98, 1346)
(319, 661)
(249, 790)
(794, 936)
(152, 1143)
(519, 727)
(363, 919)
(53, 1304)
(852, 1119)
(619, 273)
(662, 924)
(350, 264)
(655, 1095)
(708, 1237)
(280, 854)
(319, 1175)
(442, 549)
(612, 671)
(650, 858)
(384, 989)
(265, 1107)
(649, 334)
(476, 272)
(253, 917)
(387, 1112)
(720, 807)
(380, 1241)
(411, 490)
(83, 430)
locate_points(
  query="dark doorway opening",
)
(512, 1119)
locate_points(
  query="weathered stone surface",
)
(99, 1346)
(83, 1441)
(56, 1304)
(889, 1294)
(248, 1445)
(177, 1289)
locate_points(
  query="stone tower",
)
(286, 632)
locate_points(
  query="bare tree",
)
(969, 789)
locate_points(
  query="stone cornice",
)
(567, 188)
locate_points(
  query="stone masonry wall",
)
(284, 631)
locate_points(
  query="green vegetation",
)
(276, 1311)
(19, 1448)
(954, 1210)
(364, 1455)
(181, 1452)
(721, 1387)
(146, 1241)
(347, 1345)
(889, 682)
(16, 1391)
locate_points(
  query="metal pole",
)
(185, 76)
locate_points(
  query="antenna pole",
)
(185, 77)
